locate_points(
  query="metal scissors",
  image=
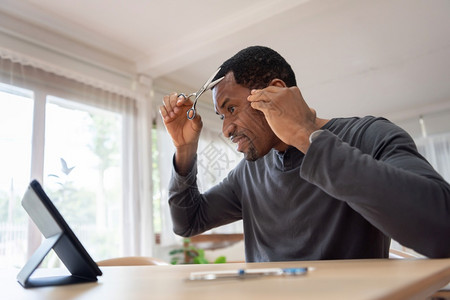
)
(209, 84)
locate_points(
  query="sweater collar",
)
(287, 160)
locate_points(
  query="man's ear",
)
(277, 82)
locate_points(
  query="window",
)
(157, 222)
(82, 172)
(89, 147)
(16, 115)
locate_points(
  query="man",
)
(308, 188)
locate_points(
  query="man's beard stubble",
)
(251, 154)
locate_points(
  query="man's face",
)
(244, 125)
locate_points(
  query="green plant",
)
(190, 254)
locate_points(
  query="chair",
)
(399, 254)
(132, 261)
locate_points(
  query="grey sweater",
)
(361, 183)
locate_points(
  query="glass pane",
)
(82, 173)
(16, 117)
(155, 187)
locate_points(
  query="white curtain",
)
(138, 231)
(216, 157)
(166, 151)
(134, 107)
(436, 149)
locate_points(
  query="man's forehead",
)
(225, 86)
(216, 99)
(222, 87)
(228, 90)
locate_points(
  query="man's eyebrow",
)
(223, 104)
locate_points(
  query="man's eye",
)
(231, 109)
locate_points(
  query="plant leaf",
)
(200, 260)
(220, 260)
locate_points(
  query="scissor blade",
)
(214, 83)
(207, 84)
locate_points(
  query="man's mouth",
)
(240, 140)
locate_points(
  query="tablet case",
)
(60, 238)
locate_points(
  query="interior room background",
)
(92, 135)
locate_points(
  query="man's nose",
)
(228, 128)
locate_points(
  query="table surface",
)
(336, 279)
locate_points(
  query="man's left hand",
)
(287, 113)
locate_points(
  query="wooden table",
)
(338, 279)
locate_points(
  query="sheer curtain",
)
(216, 157)
(134, 107)
(436, 149)
(165, 150)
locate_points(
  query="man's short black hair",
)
(256, 66)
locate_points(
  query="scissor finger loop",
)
(184, 95)
(191, 113)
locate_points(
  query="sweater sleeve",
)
(192, 212)
(383, 178)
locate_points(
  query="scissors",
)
(209, 84)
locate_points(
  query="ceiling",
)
(351, 57)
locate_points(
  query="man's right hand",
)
(185, 133)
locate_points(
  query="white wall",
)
(435, 123)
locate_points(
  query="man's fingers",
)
(265, 94)
(181, 99)
(173, 100)
(259, 105)
(169, 102)
(164, 113)
(173, 104)
(257, 95)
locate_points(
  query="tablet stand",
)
(25, 279)
(60, 238)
